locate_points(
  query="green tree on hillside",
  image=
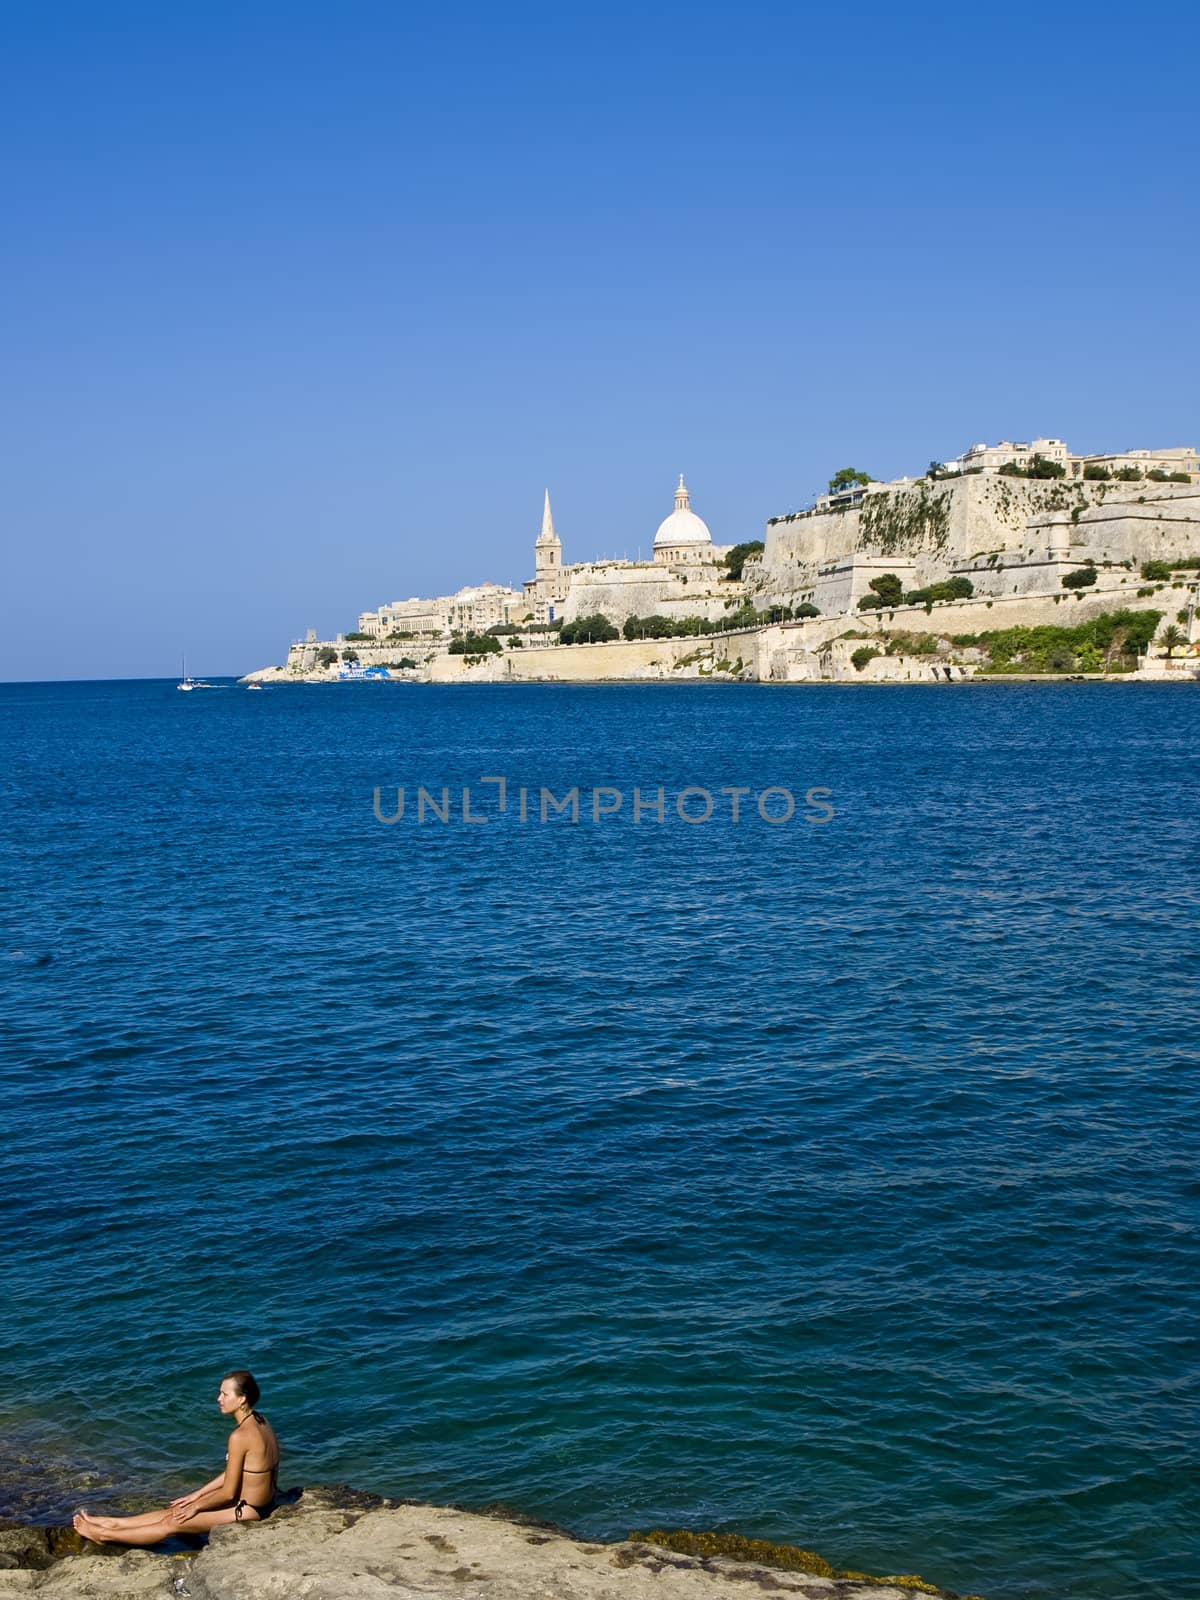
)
(735, 559)
(1173, 637)
(588, 630)
(848, 478)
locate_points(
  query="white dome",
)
(683, 526)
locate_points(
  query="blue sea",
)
(832, 1179)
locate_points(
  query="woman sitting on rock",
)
(244, 1492)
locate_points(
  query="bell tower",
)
(547, 549)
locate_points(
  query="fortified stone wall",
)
(940, 527)
(1012, 611)
(620, 660)
(642, 592)
(302, 657)
(1164, 524)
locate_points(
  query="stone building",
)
(470, 610)
(991, 457)
(1181, 458)
(406, 616)
(685, 576)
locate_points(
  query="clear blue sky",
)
(304, 304)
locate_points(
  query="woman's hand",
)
(183, 1510)
(186, 1499)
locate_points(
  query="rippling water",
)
(835, 1184)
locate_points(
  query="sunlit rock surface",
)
(338, 1545)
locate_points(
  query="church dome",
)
(683, 526)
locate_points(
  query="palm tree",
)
(1173, 637)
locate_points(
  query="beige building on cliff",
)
(470, 610)
(991, 457)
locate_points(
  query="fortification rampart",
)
(1151, 527)
(1066, 610)
(643, 591)
(721, 655)
(932, 529)
(304, 658)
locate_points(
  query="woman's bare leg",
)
(150, 1529)
(154, 1527)
(146, 1517)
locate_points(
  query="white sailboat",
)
(189, 683)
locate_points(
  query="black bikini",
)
(242, 1505)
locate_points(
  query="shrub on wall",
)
(950, 589)
(888, 587)
(916, 644)
(863, 654)
(475, 644)
(1082, 579)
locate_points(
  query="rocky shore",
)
(336, 1544)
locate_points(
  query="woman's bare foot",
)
(87, 1527)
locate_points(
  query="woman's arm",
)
(194, 1494)
(222, 1491)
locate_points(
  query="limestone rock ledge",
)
(339, 1545)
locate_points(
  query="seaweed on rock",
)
(785, 1557)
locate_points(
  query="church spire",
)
(547, 535)
(682, 501)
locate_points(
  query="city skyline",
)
(311, 309)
